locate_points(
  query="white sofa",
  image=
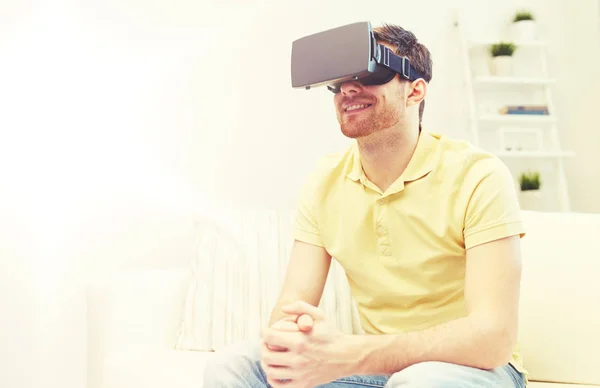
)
(134, 318)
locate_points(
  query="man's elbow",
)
(500, 342)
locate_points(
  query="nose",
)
(350, 87)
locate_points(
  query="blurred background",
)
(121, 120)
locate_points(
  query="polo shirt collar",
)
(424, 158)
(421, 163)
(356, 171)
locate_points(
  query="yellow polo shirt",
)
(403, 250)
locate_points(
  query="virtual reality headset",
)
(346, 53)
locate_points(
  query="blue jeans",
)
(238, 366)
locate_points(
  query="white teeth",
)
(354, 107)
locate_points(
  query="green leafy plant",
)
(502, 49)
(530, 181)
(523, 15)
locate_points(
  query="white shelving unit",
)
(486, 122)
(535, 154)
(517, 119)
(526, 44)
(493, 80)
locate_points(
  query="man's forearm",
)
(467, 341)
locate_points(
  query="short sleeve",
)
(493, 210)
(306, 226)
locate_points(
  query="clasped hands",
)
(303, 350)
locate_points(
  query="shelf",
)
(518, 43)
(513, 80)
(518, 118)
(534, 154)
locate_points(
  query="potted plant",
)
(502, 58)
(530, 195)
(524, 27)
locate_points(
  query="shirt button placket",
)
(382, 236)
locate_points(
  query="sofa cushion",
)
(155, 369)
(535, 384)
(560, 295)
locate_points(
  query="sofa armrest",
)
(133, 310)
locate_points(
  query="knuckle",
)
(301, 347)
(303, 362)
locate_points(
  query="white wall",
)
(578, 88)
(18, 330)
(118, 117)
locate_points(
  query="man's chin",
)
(351, 135)
(353, 131)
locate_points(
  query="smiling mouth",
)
(356, 108)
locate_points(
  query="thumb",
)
(301, 307)
(285, 325)
(305, 323)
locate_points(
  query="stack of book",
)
(524, 110)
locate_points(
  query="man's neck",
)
(385, 155)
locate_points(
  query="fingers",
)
(286, 324)
(301, 307)
(280, 373)
(287, 368)
(274, 377)
(284, 339)
(274, 365)
(279, 359)
(283, 383)
(275, 348)
(304, 324)
(281, 368)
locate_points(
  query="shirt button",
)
(381, 230)
(381, 201)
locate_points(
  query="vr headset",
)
(346, 53)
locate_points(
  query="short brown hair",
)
(407, 45)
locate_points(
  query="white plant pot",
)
(524, 30)
(530, 200)
(502, 66)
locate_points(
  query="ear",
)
(416, 92)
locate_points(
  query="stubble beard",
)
(357, 127)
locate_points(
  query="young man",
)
(427, 229)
